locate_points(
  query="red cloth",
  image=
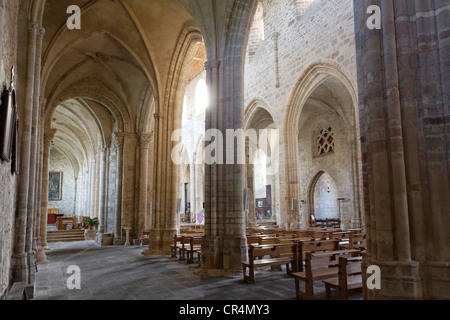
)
(51, 219)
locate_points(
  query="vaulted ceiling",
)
(108, 74)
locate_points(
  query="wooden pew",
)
(349, 277)
(272, 255)
(314, 246)
(176, 245)
(318, 266)
(195, 246)
(357, 241)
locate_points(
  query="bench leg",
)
(190, 259)
(278, 268)
(251, 274)
(308, 294)
(309, 289)
(289, 271)
(298, 292)
(328, 291)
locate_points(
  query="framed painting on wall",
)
(8, 118)
(55, 186)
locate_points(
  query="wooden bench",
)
(62, 222)
(144, 237)
(326, 223)
(269, 256)
(314, 246)
(176, 245)
(195, 246)
(318, 266)
(357, 241)
(349, 277)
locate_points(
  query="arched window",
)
(201, 97)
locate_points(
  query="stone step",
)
(65, 236)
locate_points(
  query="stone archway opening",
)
(323, 197)
(328, 157)
(262, 176)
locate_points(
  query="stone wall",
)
(8, 182)
(323, 34)
(298, 35)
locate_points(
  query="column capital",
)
(118, 139)
(40, 32)
(34, 28)
(145, 139)
(212, 64)
(49, 135)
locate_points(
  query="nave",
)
(123, 273)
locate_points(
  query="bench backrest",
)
(268, 240)
(315, 261)
(196, 241)
(350, 266)
(358, 241)
(316, 246)
(322, 235)
(271, 250)
(342, 235)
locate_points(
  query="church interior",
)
(225, 149)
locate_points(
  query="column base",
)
(399, 280)
(437, 280)
(223, 254)
(160, 242)
(218, 273)
(19, 267)
(41, 257)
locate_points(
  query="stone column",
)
(34, 148)
(129, 182)
(163, 225)
(224, 244)
(403, 74)
(75, 196)
(144, 145)
(24, 218)
(118, 139)
(49, 134)
(102, 190)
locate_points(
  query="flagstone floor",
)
(123, 273)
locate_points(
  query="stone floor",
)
(123, 273)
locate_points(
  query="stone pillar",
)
(49, 134)
(144, 145)
(75, 196)
(403, 74)
(118, 139)
(129, 182)
(163, 225)
(102, 190)
(34, 148)
(22, 266)
(224, 244)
